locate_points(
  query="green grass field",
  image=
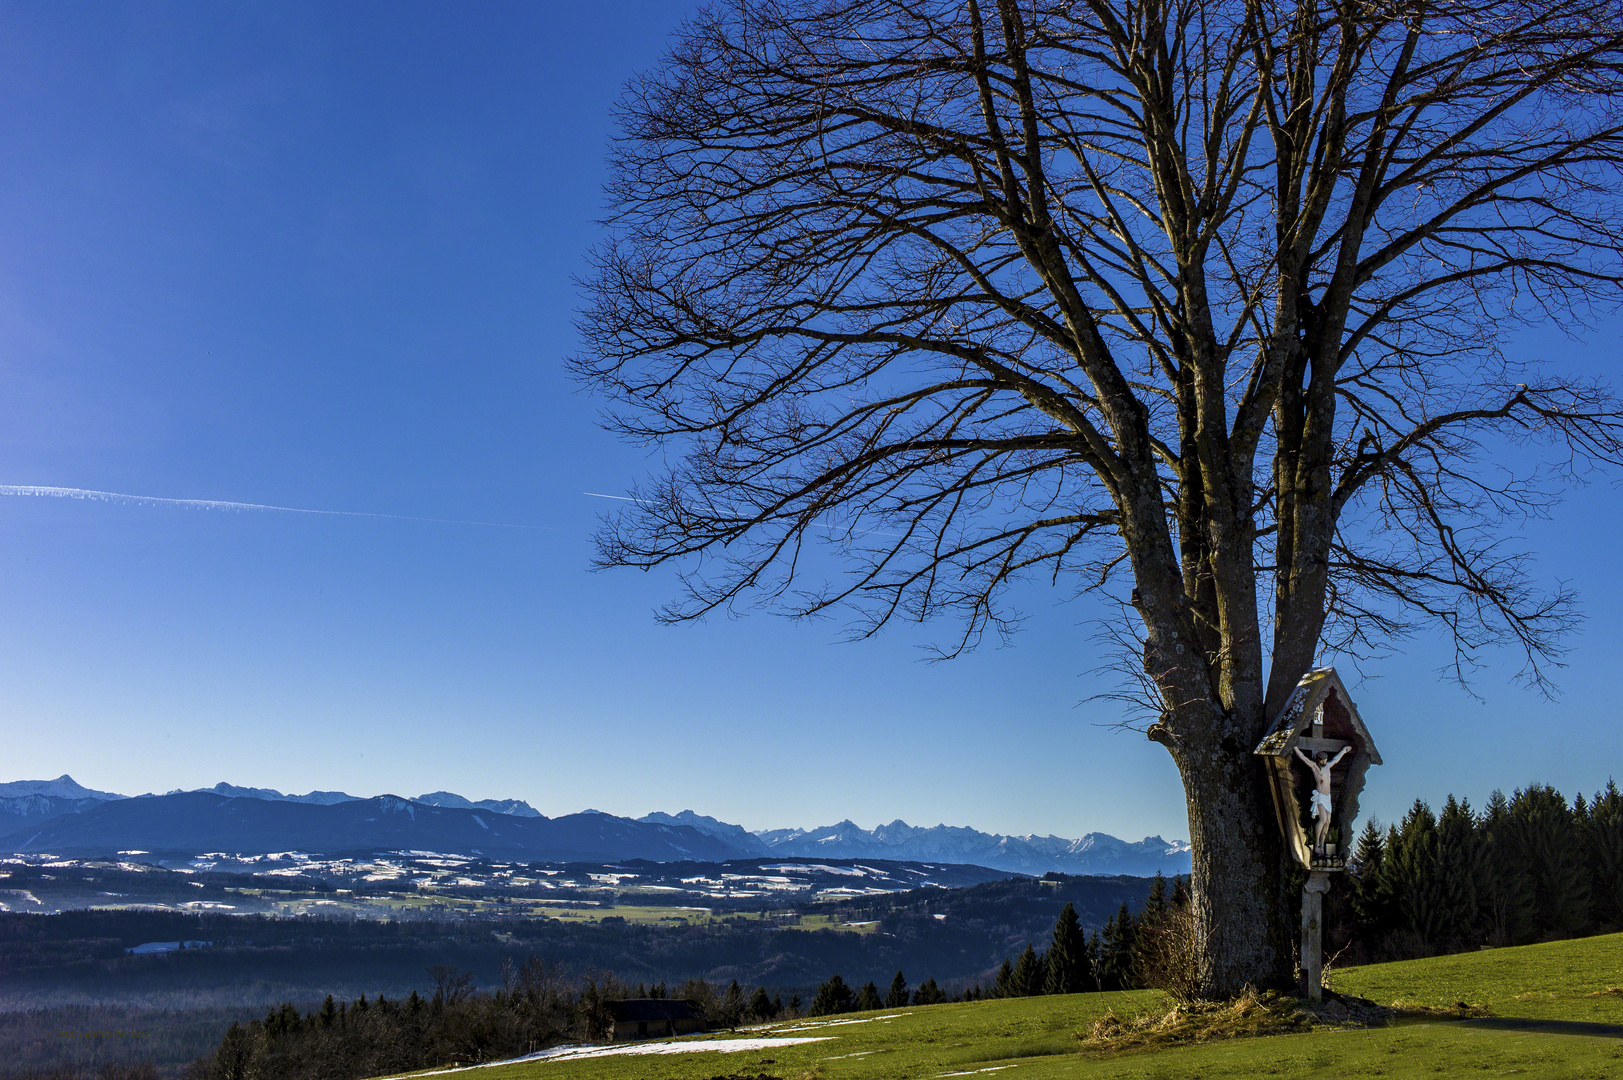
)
(1556, 1011)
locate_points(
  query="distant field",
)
(693, 915)
(1557, 1012)
(289, 903)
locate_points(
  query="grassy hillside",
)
(1557, 1011)
(1580, 980)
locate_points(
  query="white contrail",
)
(222, 504)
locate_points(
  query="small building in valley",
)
(650, 1018)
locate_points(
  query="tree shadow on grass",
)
(1548, 1027)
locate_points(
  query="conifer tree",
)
(897, 997)
(1004, 985)
(1462, 870)
(1546, 838)
(1155, 905)
(732, 1005)
(1372, 892)
(929, 993)
(1603, 853)
(1508, 901)
(234, 1058)
(868, 998)
(760, 1005)
(1114, 959)
(1067, 955)
(834, 996)
(1411, 858)
(1027, 979)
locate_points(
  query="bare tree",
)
(1200, 300)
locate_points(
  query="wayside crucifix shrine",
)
(1317, 754)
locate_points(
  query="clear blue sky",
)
(322, 256)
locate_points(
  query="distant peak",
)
(63, 787)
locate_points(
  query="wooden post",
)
(1318, 883)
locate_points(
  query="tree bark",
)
(1237, 861)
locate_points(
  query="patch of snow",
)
(571, 1053)
(836, 1023)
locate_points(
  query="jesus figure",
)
(1321, 794)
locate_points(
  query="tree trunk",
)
(1241, 936)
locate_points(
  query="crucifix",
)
(1321, 798)
(1320, 728)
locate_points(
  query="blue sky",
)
(322, 256)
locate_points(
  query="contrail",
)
(222, 504)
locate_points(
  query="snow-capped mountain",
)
(30, 802)
(188, 823)
(63, 787)
(1095, 853)
(314, 798)
(739, 837)
(516, 807)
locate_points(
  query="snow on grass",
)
(972, 1072)
(685, 1046)
(818, 1025)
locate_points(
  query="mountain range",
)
(62, 817)
(1095, 853)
